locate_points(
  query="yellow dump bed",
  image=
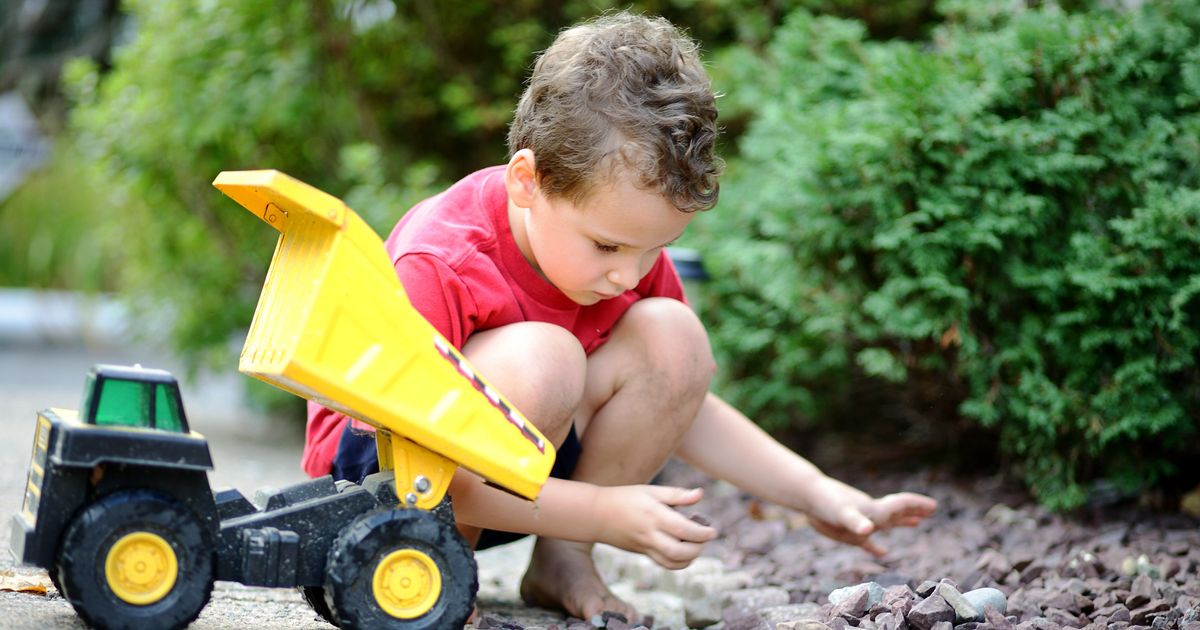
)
(334, 325)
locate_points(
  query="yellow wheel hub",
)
(141, 568)
(407, 583)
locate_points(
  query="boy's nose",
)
(624, 279)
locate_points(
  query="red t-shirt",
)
(461, 268)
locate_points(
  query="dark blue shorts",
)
(356, 458)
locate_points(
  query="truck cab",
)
(130, 431)
(135, 397)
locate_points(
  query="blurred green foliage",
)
(53, 240)
(375, 101)
(1008, 215)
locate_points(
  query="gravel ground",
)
(1019, 567)
(1120, 567)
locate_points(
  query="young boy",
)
(549, 274)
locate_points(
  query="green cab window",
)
(166, 408)
(123, 403)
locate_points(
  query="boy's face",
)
(603, 246)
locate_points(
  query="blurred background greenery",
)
(958, 229)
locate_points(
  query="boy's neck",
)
(516, 225)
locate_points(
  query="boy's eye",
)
(608, 249)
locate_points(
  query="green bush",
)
(378, 101)
(1011, 212)
(53, 240)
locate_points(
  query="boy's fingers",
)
(673, 553)
(676, 496)
(855, 522)
(843, 535)
(902, 509)
(835, 532)
(688, 530)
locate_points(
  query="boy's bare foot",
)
(562, 576)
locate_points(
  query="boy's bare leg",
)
(540, 368)
(644, 388)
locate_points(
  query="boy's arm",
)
(635, 518)
(727, 445)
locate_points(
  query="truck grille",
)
(37, 470)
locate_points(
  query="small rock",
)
(1063, 618)
(702, 597)
(854, 605)
(963, 610)
(1038, 623)
(741, 618)
(924, 589)
(930, 611)
(982, 598)
(888, 621)
(874, 593)
(994, 563)
(996, 618)
(1129, 566)
(796, 613)
(758, 598)
(899, 595)
(1063, 600)
(803, 624)
(617, 624)
(1143, 586)
(1143, 566)
(605, 619)
(489, 622)
(1141, 615)
(1115, 613)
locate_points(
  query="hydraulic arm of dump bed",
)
(334, 325)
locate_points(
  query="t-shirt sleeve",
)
(439, 295)
(662, 280)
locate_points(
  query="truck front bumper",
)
(21, 541)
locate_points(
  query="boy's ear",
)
(520, 178)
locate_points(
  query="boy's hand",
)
(642, 519)
(849, 515)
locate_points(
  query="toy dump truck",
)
(118, 508)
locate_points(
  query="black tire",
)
(424, 541)
(137, 515)
(315, 596)
(445, 510)
(55, 581)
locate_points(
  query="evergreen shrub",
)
(1011, 210)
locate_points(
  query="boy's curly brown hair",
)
(621, 90)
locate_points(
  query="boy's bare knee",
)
(673, 341)
(539, 367)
